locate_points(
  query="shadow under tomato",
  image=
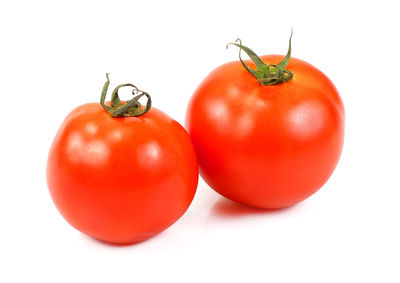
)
(229, 209)
(118, 245)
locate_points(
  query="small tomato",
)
(121, 172)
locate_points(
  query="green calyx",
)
(131, 108)
(266, 74)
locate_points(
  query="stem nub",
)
(131, 108)
(266, 74)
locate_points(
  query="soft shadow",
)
(230, 209)
(116, 245)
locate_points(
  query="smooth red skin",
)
(121, 180)
(266, 146)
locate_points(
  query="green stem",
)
(266, 74)
(131, 108)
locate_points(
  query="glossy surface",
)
(121, 180)
(266, 146)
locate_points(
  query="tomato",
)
(121, 180)
(271, 142)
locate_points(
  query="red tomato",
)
(267, 146)
(121, 180)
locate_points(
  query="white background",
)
(54, 56)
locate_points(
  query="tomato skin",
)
(121, 180)
(266, 146)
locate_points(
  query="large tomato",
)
(121, 179)
(268, 133)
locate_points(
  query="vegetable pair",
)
(267, 135)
